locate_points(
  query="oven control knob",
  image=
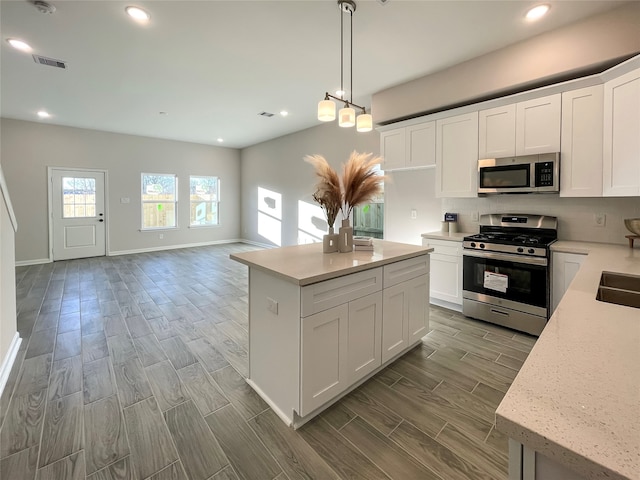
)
(520, 249)
(473, 244)
(482, 245)
(531, 250)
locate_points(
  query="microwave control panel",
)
(544, 174)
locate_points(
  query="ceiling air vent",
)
(266, 114)
(52, 62)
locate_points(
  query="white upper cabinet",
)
(457, 156)
(523, 128)
(621, 151)
(421, 145)
(581, 149)
(538, 125)
(409, 147)
(393, 148)
(497, 132)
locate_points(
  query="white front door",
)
(78, 215)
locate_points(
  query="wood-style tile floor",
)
(132, 367)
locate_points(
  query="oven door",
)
(514, 279)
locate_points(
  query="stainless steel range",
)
(506, 278)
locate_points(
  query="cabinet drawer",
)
(405, 270)
(321, 296)
(443, 247)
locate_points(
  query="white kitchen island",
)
(321, 324)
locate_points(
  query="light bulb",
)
(326, 110)
(364, 122)
(347, 117)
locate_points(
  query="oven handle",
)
(507, 257)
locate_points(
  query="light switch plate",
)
(272, 305)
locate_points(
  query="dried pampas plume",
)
(328, 193)
(360, 181)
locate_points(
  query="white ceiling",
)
(214, 65)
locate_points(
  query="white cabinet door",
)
(538, 125)
(581, 149)
(393, 149)
(405, 315)
(446, 278)
(457, 156)
(364, 347)
(497, 132)
(395, 306)
(621, 155)
(564, 266)
(418, 308)
(324, 355)
(421, 145)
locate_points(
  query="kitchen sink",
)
(619, 288)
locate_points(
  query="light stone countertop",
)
(307, 264)
(454, 237)
(577, 397)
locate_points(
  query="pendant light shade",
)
(326, 107)
(326, 110)
(364, 122)
(347, 117)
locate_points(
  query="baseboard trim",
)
(444, 304)
(257, 244)
(40, 261)
(173, 247)
(8, 361)
(37, 261)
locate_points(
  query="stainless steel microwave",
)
(523, 174)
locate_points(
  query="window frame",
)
(143, 202)
(217, 202)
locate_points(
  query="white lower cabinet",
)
(364, 330)
(445, 273)
(324, 351)
(528, 464)
(564, 266)
(405, 312)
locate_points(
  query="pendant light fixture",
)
(327, 107)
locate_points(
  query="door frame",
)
(50, 171)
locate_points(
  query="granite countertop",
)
(454, 237)
(307, 264)
(577, 397)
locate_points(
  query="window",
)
(205, 199)
(78, 197)
(159, 201)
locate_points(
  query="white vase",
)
(345, 237)
(330, 242)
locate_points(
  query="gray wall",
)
(278, 166)
(541, 59)
(28, 148)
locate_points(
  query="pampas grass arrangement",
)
(360, 184)
(328, 191)
(360, 181)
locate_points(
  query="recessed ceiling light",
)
(220, 140)
(19, 44)
(340, 93)
(537, 12)
(43, 114)
(138, 13)
(284, 113)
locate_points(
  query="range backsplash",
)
(575, 215)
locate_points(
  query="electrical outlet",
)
(272, 305)
(599, 219)
(161, 236)
(414, 214)
(474, 216)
